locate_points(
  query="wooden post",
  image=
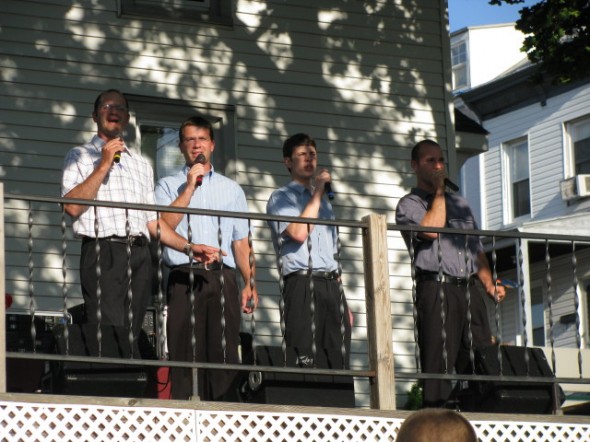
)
(379, 312)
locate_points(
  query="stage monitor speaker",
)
(510, 397)
(97, 379)
(298, 388)
(26, 375)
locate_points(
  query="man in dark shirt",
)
(461, 262)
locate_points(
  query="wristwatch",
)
(188, 249)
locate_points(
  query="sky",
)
(463, 13)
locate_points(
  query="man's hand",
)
(438, 180)
(196, 171)
(109, 150)
(496, 292)
(321, 179)
(249, 299)
(207, 254)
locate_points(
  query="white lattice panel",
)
(24, 422)
(270, 427)
(30, 422)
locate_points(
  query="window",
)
(459, 63)
(153, 129)
(538, 316)
(578, 139)
(187, 11)
(519, 193)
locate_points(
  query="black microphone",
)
(451, 185)
(200, 160)
(328, 190)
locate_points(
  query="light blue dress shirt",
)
(290, 200)
(216, 193)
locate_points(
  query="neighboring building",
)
(481, 53)
(535, 178)
(367, 82)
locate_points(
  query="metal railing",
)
(380, 370)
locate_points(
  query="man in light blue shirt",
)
(304, 197)
(215, 286)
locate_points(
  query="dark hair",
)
(419, 144)
(295, 141)
(199, 122)
(108, 91)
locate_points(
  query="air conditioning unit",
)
(575, 187)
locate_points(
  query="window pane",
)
(459, 77)
(521, 198)
(579, 133)
(538, 316)
(582, 155)
(520, 161)
(459, 54)
(160, 144)
(518, 174)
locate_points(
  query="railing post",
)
(379, 312)
(3, 294)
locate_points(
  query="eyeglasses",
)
(113, 107)
(191, 140)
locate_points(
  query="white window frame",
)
(463, 65)
(507, 152)
(219, 12)
(169, 113)
(571, 128)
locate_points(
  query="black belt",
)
(201, 266)
(446, 279)
(133, 240)
(323, 275)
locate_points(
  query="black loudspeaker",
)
(97, 379)
(510, 397)
(26, 375)
(298, 388)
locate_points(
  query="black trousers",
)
(328, 317)
(208, 331)
(115, 304)
(430, 340)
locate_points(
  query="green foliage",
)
(557, 37)
(414, 401)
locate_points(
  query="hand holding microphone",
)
(324, 179)
(328, 190)
(451, 185)
(200, 160)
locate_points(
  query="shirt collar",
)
(186, 168)
(297, 187)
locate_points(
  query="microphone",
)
(117, 156)
(200, 160)
(451, 185)
(328, 190)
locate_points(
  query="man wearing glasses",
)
(206, 295)
(105, 169)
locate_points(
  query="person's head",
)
(300, 157)
(427, 158)
(436, 425)
(196, 136)
(111, 114)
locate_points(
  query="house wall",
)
(367, 81)
(543, 125)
